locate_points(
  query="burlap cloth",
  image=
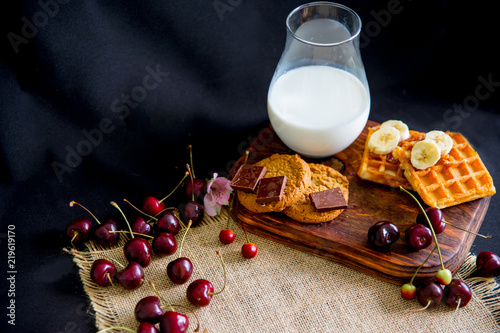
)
(284, 290)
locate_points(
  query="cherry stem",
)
(110, 279)
(246, 235)
(160, 296)
(246, 157)
(421, 309)
(422, 265)
(229, 213)
(191, 159)
(117, 328)
(184, 236)
(185, 175)
(133, 232)
(140, 211)
(114, 204)
(72, 203)
(75, 233)
(430, 225)
(192, 180)
(463, 229)
(225, 278)
(454, 313)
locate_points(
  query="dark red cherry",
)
(488, 264)
(168, 222)
(382, 235)
(418, 236)
(435, 216)
(429, 293)
(193, 211)
(180, 270)
(200, 292)
(249, 250)
(79, 230)
(131, 277)
(173, 322)
(102, 272)
(139, 250)
(147, 328)
(196, 187)
(103, 235)
(148, 310)
(226, 236)
(455, 292)
(152, 206)
(141, 226)
(164, 244)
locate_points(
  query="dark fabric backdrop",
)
(99, 100)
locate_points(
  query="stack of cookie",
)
(305, 192)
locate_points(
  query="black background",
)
(424, 62)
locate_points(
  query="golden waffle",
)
(459, 176)
(384, 169)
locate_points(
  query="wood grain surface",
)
(344, 239)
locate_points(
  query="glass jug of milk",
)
(319, 100)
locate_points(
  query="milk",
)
(318, 111)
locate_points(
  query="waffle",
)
(459, 176)
(384, 169)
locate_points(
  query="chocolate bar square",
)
(247, 177)
(328, 199)
(271, 189)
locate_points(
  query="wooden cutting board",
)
(344, 239)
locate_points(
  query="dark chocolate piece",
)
(247, 177)
(271, 189)
(331, 199)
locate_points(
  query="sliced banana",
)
(425, 154)
(443, 140)
(384, 140)
(400, 126)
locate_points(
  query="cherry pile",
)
(442, 288)
(153, 232)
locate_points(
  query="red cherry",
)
(139, 250)
(488, 264)
(168, 222)
(408, 291)
(140, 226)
(103, 272)
(173, 322)
(195, 188)
(249, 250)
(429, 294)
(148, 310)
(180, 270)
(200, 292)
(79, 230)
(226, 236)
(103, 235)
(164, 244)
(152, 206)
(457, 293)
(131, 277)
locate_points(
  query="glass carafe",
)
(318, 99)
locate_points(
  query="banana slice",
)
(400, 126)
(384, 140)
(443, 140)
(425, 154)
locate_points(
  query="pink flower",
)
(218, 193)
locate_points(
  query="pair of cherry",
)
(81, 229)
